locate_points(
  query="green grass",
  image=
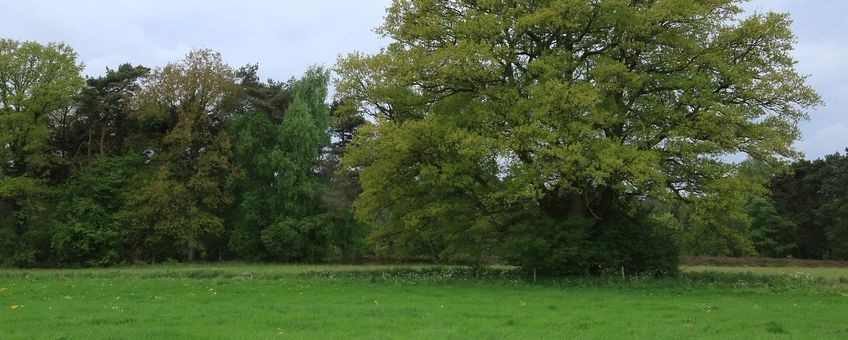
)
(376, 302)
(813, 272)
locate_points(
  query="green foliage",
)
(303, 134)
(138, 219)
(37, 85)
(190, 160)
(564, 136)
(278, 208)
(528, 124)
(147, 166)
(737, 219)
(26, 218)
(717, 224)
(772, 234)
(253, 201)
(307, 239)
(634, 242)
(340, 185)
(192, 99)
(813, 197)
(90, 234)
(106, 123)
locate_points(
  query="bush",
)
(306, 239)
(633, 241)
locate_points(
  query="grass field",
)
(813, 272)
(376, 302)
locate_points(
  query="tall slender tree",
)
(279, 196)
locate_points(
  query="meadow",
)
(417, 302)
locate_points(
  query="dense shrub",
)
(634, 242)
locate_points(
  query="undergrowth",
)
(744, 281)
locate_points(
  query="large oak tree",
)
(505, 127)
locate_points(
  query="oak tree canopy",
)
(542, 127)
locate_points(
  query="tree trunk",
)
(88, 145)
(578, 205)
(606, 198)
(103, 140)
(190, 247)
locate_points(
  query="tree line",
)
(563, 136)
(796, 211)
(192, 160)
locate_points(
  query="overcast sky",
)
(286, 36)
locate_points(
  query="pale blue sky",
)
(287, 36)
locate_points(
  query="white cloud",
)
(761, 6)
(820, 143)
(284, 37)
